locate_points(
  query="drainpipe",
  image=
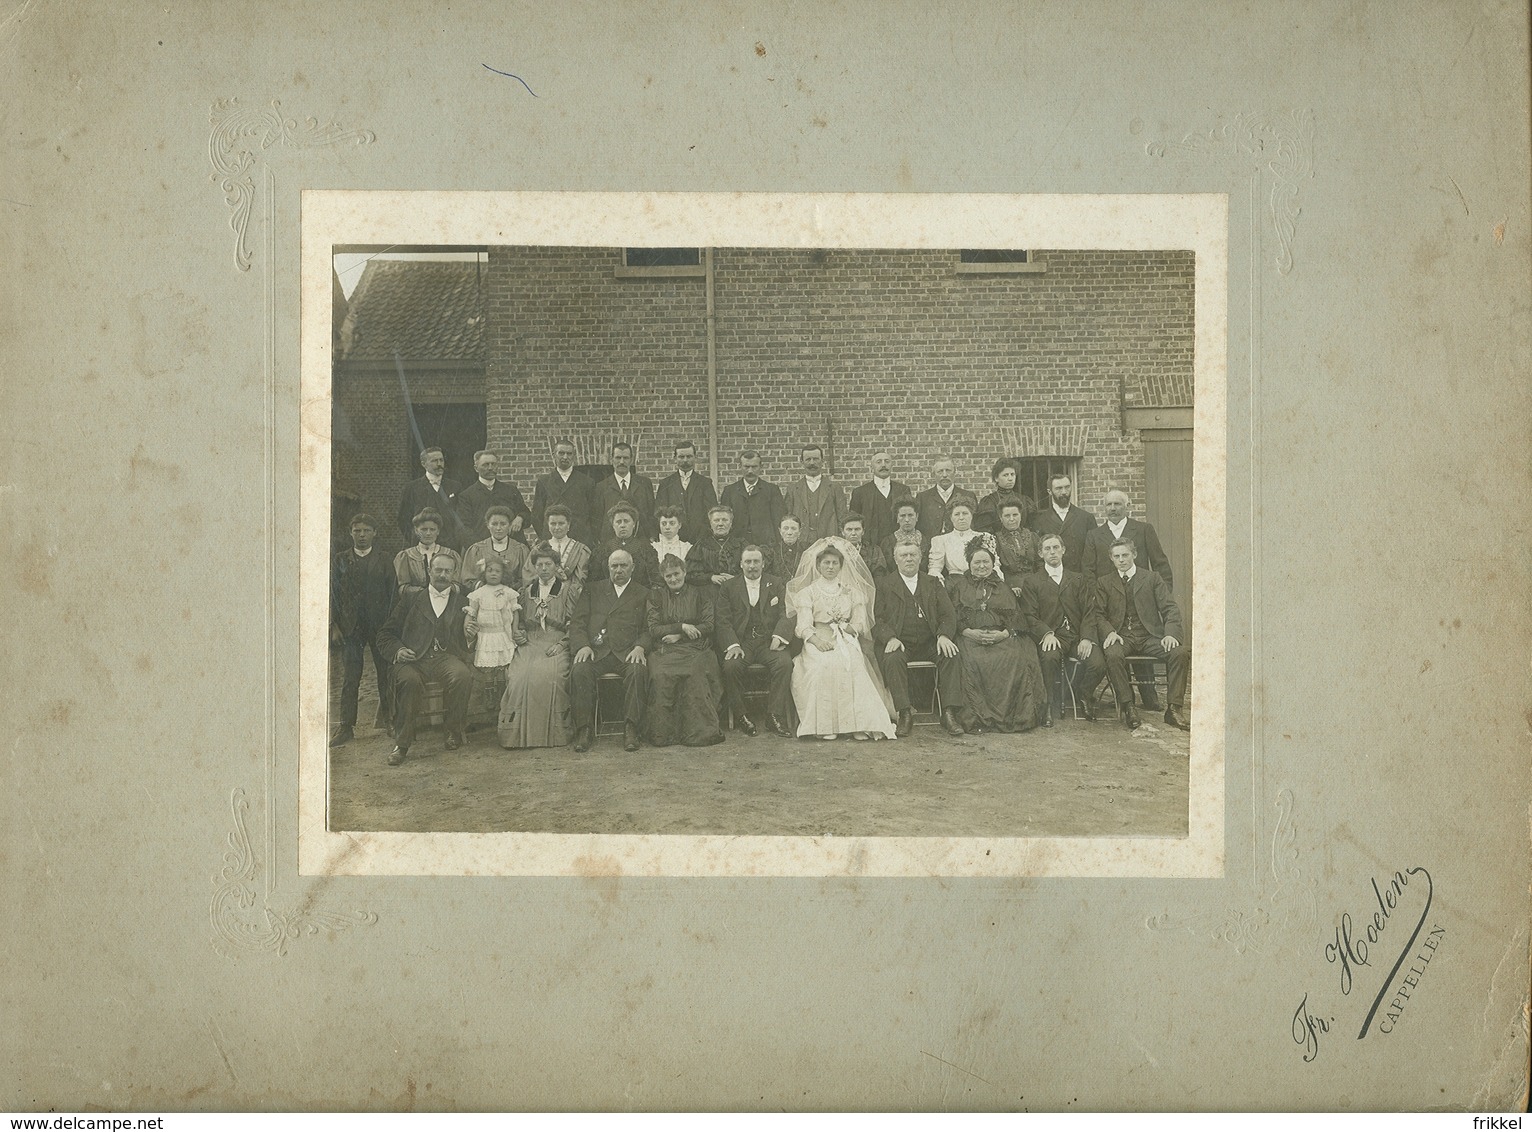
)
(712, 369)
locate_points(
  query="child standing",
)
(492, 611)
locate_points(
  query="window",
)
(1032, 479)
(660, 263)
(997, 261)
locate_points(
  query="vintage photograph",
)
(762, 541)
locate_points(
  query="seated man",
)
(751, 608)
(608, 633)
(715, 556)
(426, 640)
(915, 621)
(852, 529)
(1138, 617)
(1060, 608)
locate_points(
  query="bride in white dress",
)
(836, 685)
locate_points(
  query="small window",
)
(1035, 471)
(997, 261)
(660, 263)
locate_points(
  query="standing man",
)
(1096, 557)
(1060, 608)
(751, 626)
(875, 499)
(609, 633)
(625, 485)
(361, 594)
(1138, 617)
(915, 621)
(689, 490)
(489, 491)
(432, 492)
(934, 504)
(1064, 519)
(756, 503)
(815, 499)
(567, 486)
(427, 639)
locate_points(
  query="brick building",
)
(1073, 360)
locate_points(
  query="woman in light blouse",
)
(949, 552)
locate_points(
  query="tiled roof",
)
(425, 311)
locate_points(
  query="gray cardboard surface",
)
(164, 951)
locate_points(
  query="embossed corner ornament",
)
(234, 895)
(1284, 898)
(240, 136)
(1283, 146)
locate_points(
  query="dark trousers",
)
(352, 651)
(949, 676)
(1088, 677)
(779, 678)
(635, 689)
(410, 680)
(1178, 664)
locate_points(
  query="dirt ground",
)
(1075, 779)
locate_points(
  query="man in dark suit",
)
(432, 491)
(1061, 517)
(874, 500)
(1096, 557)
(1096, 562)
(689, 490)
(756, 503)
(934, 504)
(488, 491)
(914, 620)
(609, 633)
(816, 499)
(1060, 608)
(751, 626)
(427, 638)
(362, 586)
(625, 485)
(567, 486)
(1138, 617)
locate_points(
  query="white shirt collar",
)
(493, 545)
(361, 553)
(434, 481)
(439, 600)
(490, 484)
(1116, 528)
(622, 481)
(1133, 569)
(1062, 513)
(686, 477)
(564, 475)
(814, 481)
(622, 588)
(910, 583)
(1055, 572)
(946, 493)
(753, 589)
(884, 485)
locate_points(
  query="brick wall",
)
(859, 349)
(371, 454)
(853, 350)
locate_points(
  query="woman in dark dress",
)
(685, 686)
(1002, 679)
(986, 516)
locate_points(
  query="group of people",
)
(680, 592)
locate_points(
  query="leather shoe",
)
(905, 725)
(343, 734)
(582, 740)
(950, 722)
(1132, 718)
(1176, 719)
(1047, 720)
(743, 723)
(454, 740)
(779, 727)
(630, 738)
(396, 756)
(1088, 706)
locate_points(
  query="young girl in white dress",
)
(493, 607)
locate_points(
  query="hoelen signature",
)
(1353, 948)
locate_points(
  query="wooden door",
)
(1168, 503)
